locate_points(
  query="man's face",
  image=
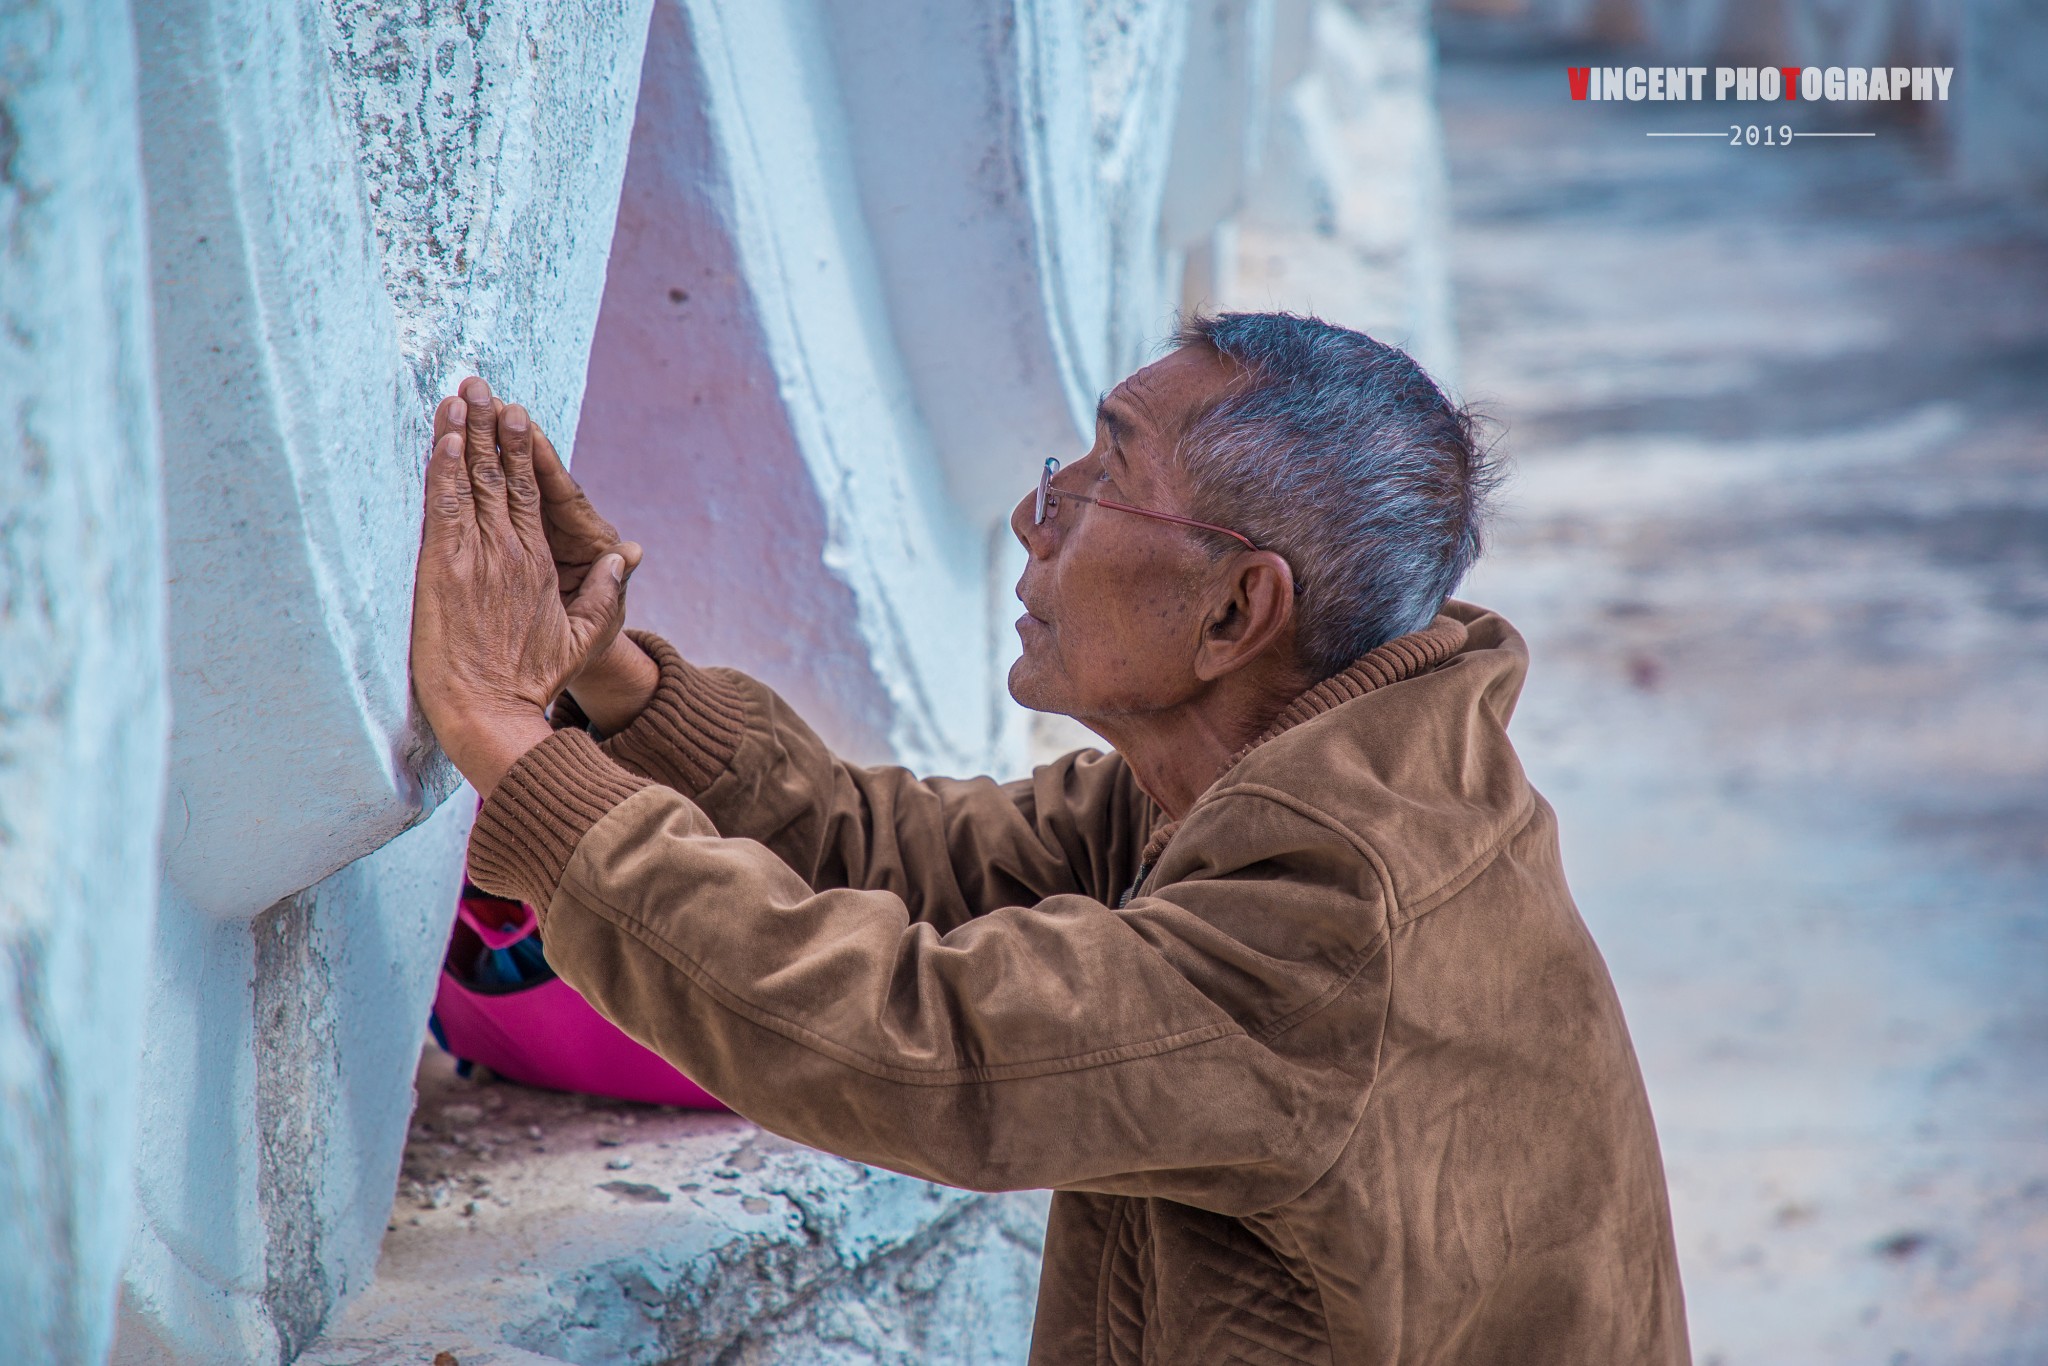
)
(1114, 604)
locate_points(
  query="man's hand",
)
(493, 640)
(616, 678)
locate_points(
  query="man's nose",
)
(1032, 538)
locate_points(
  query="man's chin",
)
(1026, 688)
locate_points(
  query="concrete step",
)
(537, 1227)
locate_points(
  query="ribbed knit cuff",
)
(686, 736)
(529, 828)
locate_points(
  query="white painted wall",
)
(81, 686)
(807, 267)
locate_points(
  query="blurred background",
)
(1779, 539)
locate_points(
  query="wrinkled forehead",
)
(1153, 407)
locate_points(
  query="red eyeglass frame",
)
(1048, 504)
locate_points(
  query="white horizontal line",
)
(1723, 135)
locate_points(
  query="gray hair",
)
(1340, 454)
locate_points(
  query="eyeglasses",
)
(1049, 504)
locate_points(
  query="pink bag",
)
(540, 1032)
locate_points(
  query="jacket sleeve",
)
(1154, 1050)
(951, 849)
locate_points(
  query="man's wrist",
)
(616, 687)
(485, 750)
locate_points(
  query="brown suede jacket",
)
(1328, 1071)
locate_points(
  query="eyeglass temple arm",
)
(1047, 492)
(1237, 536)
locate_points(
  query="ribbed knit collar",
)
(1401, 658)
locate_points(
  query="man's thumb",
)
(598, 598)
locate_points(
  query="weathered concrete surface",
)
(279, 1060)
(338, 231)
(1779, 541)
(1221, 123)
(82, 707)
(537, 1227)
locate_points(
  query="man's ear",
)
(1252, 615)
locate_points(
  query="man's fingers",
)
(480, 450)
(449, 415)
(549, 472)
(557, 486)
(451, 511)
(597, 601)
(515, 449)
(629, 552)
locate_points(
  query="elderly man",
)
(1284, 996)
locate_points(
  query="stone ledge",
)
(535, 1227)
